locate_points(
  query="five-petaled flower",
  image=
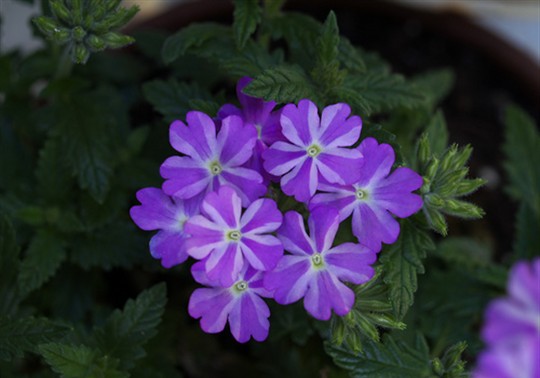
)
(315, 148)
(314, 269)
(239, 304)
(211, 160)
(158, 211)
(374, 196)
(227, 237)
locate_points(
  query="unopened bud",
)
(116, 40)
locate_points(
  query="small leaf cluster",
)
(86, 26)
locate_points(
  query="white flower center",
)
(361, 194)
(234, 235)
(240, 286)
(215, 168)
(313, 150)
(317, 261)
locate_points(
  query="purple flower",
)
(512, 328)
(258, 113)
(211, 160)
(315, 270)
(314, 148)
(239, 303)
(158, 211)
(374, 196)
(227, 237)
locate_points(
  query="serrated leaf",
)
(53, 174)
(350, 57)
(389, 359)
(527, 239)
(25, 334)
(251, 61)
(328, 41)
(247, 15)
(172, 99)
(522, 148)
(464, 252)
(190, 37)
(125, 332)
(43, 257)
(402, 262)
(281, 84)
(71, 361)
(437, 133)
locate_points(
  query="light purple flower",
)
(160, 212)
(315, 270)
(239, 304)
(512, 328)
(211, 160)
(374, 196)
(227, 237)
(314, 148)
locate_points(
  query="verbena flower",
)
(227, 237)
(314, 148)
(211, 160)
(260, 114)
(315, 270)
(374, 196)
(512, 328)
(160, 212)
(239, 304)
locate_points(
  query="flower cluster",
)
(218, 205)
(512, 328)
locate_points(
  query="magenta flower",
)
(512, 328)
(211, 160)
(239, 304)
(258, 113)
(160, 212)
(227, 237)
(374, 196)
(315, 270)
(314, 148)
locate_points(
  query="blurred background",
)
(518, 21)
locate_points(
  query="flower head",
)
(211, 160)
(314, 148)
(227, 237)
(261, 115)
(239, 304)
(160, 212)
(374, 196)
(314, 269)
(512, 328)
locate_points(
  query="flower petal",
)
(292, 234)
(342, 199)
(323, 225)
(169, 247)
(157, 210)
(336, 129)
(262, 251)
(378, 160)
(261, 216)
(326, 293)
(373, 225)
(224, 264)
(393, 193)
(300, 125)
(212, 306)
(302, 181)
(198, 140)
(351, 262)
(205, 236)
(340, 165)
(235, 141)
(247, 183)
(290, 279)
(184, 177)
(223, 207)
(281, 157)
(249, 317)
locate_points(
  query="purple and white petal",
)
(249, 318)
(300, 125)
(261, 251)
(326, 293)
(342, 199)
(235, 141)
(340, 165)
(378, 161)
(394, 192)
(223, 207)
(169, 247)
(281, 157)
(292, 234)
(336, 129)
(323, 225)
(224, 264)
(205, 236)
(198, 140)
(157, 210)
(373, 225)
(213, 306)
(289, 280)
(261, 216)
(302, 181)
(351, 262)
(184, 177)
(247, 183)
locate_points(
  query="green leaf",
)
(389, 359)
(527, 238)
(71, 361)
(172, 99)
(373, 92)
(281, 84)
(9, 267)
(437, 133)
(328, 42)
(125, 332)
(53, 173)
(253, 60)
(464, 251)
(350, 57)
(247, 15)
(43, 257)
(402, 262)
(193, 36)
(24, 334)
(522, 148)
(435, 85)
